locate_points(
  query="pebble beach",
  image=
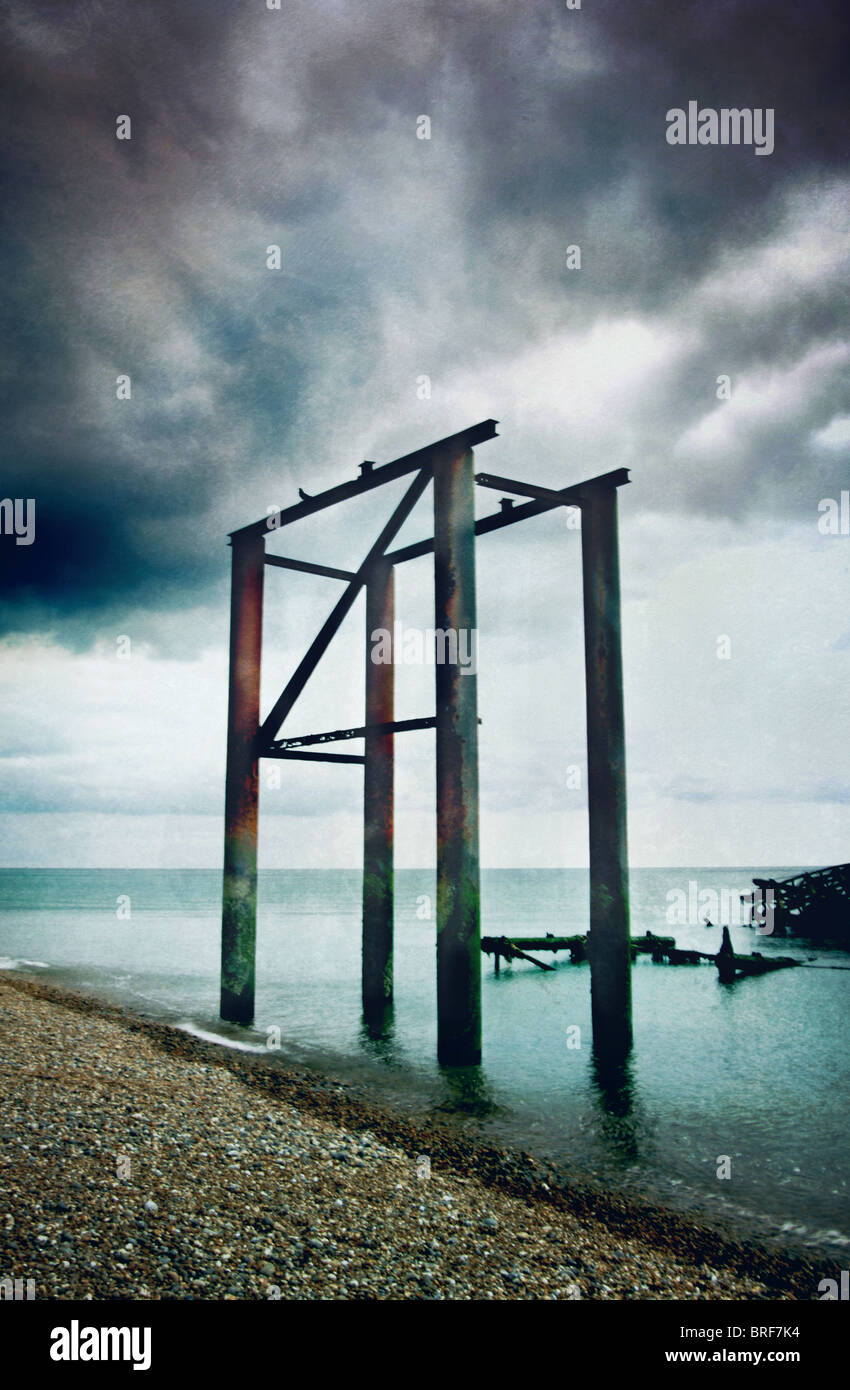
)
(139, 1162)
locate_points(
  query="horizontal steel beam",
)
(315, 757)
(559, 497)
(396, 726)
(569, 496)
(387, 473)
(308, 567)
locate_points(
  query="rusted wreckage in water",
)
(730, 966)
(661, 948)
(814, 905)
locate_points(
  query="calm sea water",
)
(756, 1071)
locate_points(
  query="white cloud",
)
(835, 435)
(764, 401)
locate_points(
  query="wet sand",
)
(140, 1162)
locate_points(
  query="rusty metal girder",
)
(392, 726)
(376, 477)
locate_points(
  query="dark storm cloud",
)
(296, 128)
(553, 134)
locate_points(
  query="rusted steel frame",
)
(392, 726)
(387, 473)
(239, 890)
(333, 622)
(307, 567)
(571, 496)
(377, 953)
(458, 871)
(609, 940)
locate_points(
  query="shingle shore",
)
(135, 1162)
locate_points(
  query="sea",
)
(733, 1106)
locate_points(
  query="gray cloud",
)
(400, 258)
(251, 127)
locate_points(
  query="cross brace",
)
(345, 602)
(293, 756)
(397, 726)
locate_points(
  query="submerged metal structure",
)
(449, 465)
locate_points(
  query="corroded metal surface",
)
(377, 976)
(458, 886)
(608, 945)
(239, 901)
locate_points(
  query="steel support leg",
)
(239, 901)
(378, 797)
(458, 888)
(609, 946)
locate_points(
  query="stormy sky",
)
(404, 258)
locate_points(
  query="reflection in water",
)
(612, 1086)
(377, 1033)
(467, 1090)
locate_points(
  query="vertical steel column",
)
(610, 964)
(378, 798)
(239, 899)
(458, 889)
